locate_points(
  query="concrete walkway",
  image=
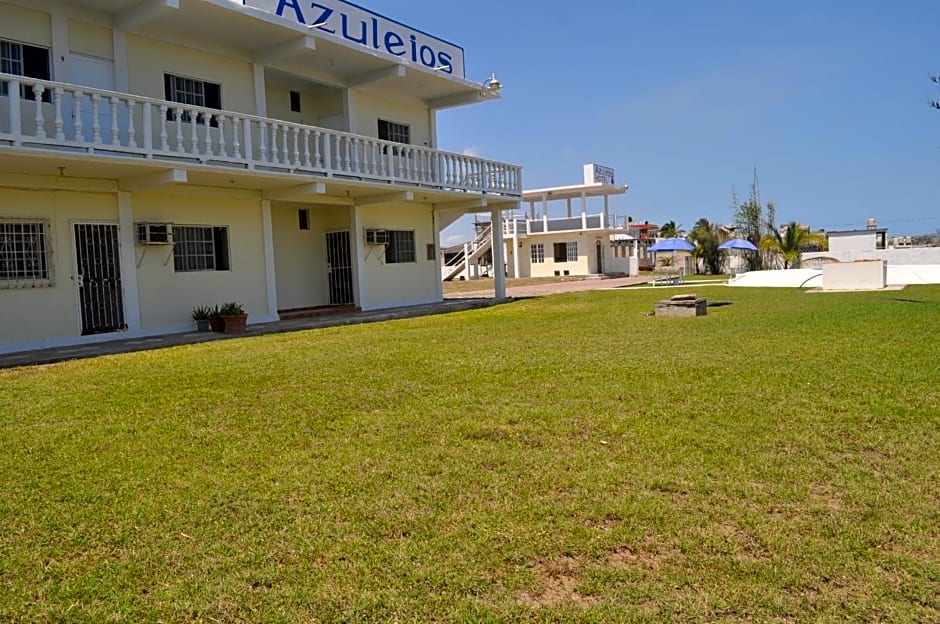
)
(452, 303)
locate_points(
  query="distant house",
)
(581, 241)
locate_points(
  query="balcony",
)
(38, 116)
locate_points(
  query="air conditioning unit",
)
(376, 237)
(154, 233)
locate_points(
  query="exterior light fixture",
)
(443, 67)
(318, 25)
(492, 84)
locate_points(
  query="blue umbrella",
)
(673, 244)
(738, 243)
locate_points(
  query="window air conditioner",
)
(154, 234)
(376, 237)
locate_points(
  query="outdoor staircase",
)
(476, 249)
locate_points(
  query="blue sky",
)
(828, 99)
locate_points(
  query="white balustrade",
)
(96, 120)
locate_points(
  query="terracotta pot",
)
(217, 324)
(235, 324)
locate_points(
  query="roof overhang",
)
(573, 192)
(228, 27)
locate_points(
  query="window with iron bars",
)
(25, 256)
(200, 248)
(192, 92)
(29, 61)
(401, 247)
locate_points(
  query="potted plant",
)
(216, 322)
(234, 317)
(201, 315)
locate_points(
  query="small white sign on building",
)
(598, 174)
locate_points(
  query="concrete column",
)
(569, 207)
(532, 210)
(466, 259)
(261, 97)
(270, 270)
(355, 250)
(128, 260)
(606, 210)
(436, 230)
(499, 252)
(583, 211)
(60, 47)
(121, 73)
(515, 256)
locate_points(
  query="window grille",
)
(25, 255)
(401, 247)
(200, 248)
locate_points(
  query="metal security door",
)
(599, 252)
(98, 276)
(339, 268)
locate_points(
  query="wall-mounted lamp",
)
(443, 67)
(492, 84)
(318, 25)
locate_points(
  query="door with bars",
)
(98, 275)
(339, 268)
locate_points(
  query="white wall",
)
(851, 241)
(390, 285)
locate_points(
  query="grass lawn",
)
(566, 459)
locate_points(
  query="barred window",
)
(537, 252)
(192, 92)
(24, 253)
(401, 247)
(392, 131)
(200, 248)
(26, 60)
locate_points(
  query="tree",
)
(707, 237)
(670, 230)
(751, 219)
(788, 241)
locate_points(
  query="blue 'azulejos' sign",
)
(370, 30)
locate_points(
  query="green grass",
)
(566, 459)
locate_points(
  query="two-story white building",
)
(539, 244)
(157, 155)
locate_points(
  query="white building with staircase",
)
(586, 241)
(157, 155)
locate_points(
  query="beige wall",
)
(319, 105)
(586, 253)
(148, 60)
(33, 314)
(90, 40)
(388, 285)
(300, 255)
(25, 25)
(166, 297)
(370, 108)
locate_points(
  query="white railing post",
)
(16, 123)
(131, 126)
(222, 143)
(207, 126)
(115, 128)
(236, 130)
(178, 115)
(79, 126)
(146, 124)
(95, 124)
(246, 143)
(40, 120)
(328, 152)
(59, 123)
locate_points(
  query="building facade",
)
(159, 155)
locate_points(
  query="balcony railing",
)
(53, 115)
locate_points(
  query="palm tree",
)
(707, 236)
(788, 240)
(670, 230)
